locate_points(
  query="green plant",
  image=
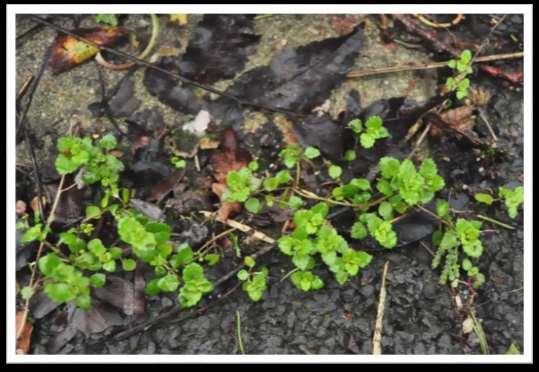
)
(107, 19)
(240, 184)
(313, 235)
(254, 282)
(513, 199)
(484, 198)
(460, 83)
(369, 132)
(464, 235)
(196, 285)
(178, 162)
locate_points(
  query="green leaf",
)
(33, 233)
(311, 152)
(84, 301)
(48, 263)
(92, 211)
(358, 231)
(461, 94)
(97, 248)
(98, 280)
(366, 140)
(350, 155)
(484, 198)
(389, 167)
(212, 259)
(466, 264)
(183, 257)
(168, 283)
(301, 261)
(193, 272)
(188, 297)
(65, 165)
(452, 63)
(249, 262)
(253, 205)
(107, 19)
(59, 292)
(356, 126)
(27, 292)
(129, 264)
(442, 208)
(466, 56)
(243, 275)
(334, 171)
(374, 123)
(110, 266)
(385, 210)
(295, 202)
(108, 142)
(152, 288)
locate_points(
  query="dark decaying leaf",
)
(323, 133)
(302, 78)
(150, 163)
(148, 209)
(124, 103)
(95, 320)
(70, 206)
(69, 52)
(460, 120)
(41, 305)
(120, 293)
(414, 227)
(159, 190)
(218, 47)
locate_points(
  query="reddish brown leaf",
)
(515, 77)
(69, 52)
(23, 342)
(460, 119)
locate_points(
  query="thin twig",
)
(377, 337)
(484, 118)
(455, 21)
(355, 74)
(242, 227)
(215, 238)
(492, 220)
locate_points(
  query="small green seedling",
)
(460, 83)
(241, 184)
(107, 19)
(178, 162)
(254, 282)
(369, 132)
(513, 199)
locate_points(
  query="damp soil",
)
(420, 317)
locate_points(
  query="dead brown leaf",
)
(69, 52)
(159, 190)
(23, 342)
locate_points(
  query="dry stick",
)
(168, 73)
(354, 74)
(39, 251)
(214, 239)
(24, 87)
(484, 118)
(377, 337)
(430, 23)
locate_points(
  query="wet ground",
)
(420, 317)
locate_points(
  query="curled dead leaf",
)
(69, 52)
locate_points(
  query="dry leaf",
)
(23, 342)
(20, 207)
(69, 52)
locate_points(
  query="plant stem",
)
(238, 332)
(492, 220)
